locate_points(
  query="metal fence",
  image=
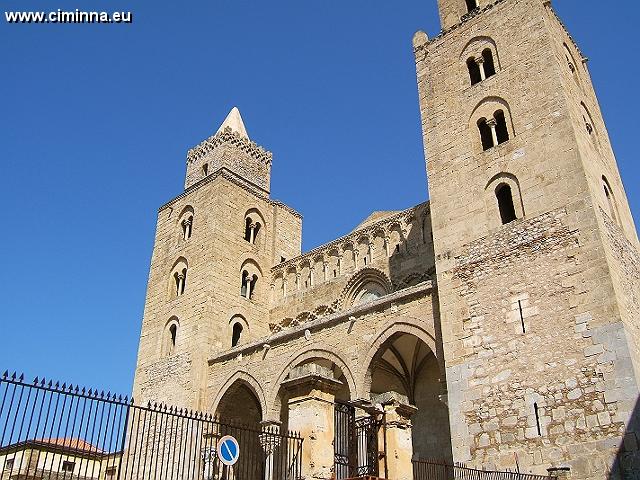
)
(54, 431)
(432, 470)
(355, 443)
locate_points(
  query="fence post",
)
(399, 446)
(311, 396)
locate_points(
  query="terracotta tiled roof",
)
(71, 443)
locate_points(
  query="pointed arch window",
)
(504, 196)
(180, 279)
(611, 202)
(170, 337)
(493, 131)
(252, 229)
(187, 227)
(236, 334)
(248, 287)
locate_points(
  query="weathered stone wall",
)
(348, 339)
(529, 310)
(398, 249)
(528, 339)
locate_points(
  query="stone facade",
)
(497, 324)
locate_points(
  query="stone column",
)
(396, 464)
(494, 135)
(312, 391)
(324, 270)
(252, 229)
(480, 62)
(180, 286)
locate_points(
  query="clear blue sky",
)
(96, 121)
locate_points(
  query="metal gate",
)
(355, 443)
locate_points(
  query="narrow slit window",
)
(471, 5)
(505, 203)
(537, 414)
(521, 316)
(205, 169)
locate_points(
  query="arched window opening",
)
(611, 203)
(502, 133)
(251, 230)
(474, 71)
(586, 117)
(187, 227)
(488, 64)
(471, 5)
(247, 228)
(505, 203)
(486, 136)
(237, 333)
(169, 338)
(247, 289)
(173, 334)
(205, 169)
(181, 280)
(244, 284)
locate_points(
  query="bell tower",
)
(209, 283)
(537, 259)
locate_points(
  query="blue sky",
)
(96, 121)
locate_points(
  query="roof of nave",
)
(371, 224)
(374, 217)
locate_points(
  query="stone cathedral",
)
(497, 324)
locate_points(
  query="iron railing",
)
(433, 470)
(54, 431)
(355, 443)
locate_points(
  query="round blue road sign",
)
(228, 450)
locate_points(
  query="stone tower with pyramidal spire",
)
(214, 246)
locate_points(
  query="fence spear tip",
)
(50, 384)
(13, 377)
(21, 377)
(57, 385)
(5, 374)
(35, 381)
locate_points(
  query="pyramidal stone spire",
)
(234, 122)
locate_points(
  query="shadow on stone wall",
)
(627, 463)
(412, 265)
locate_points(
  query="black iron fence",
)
(355, 443)
(432, 470)
(54, 431)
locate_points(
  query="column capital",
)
(492, 122)
(311, 377)
(479, 59)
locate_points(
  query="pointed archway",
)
(405, 366)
